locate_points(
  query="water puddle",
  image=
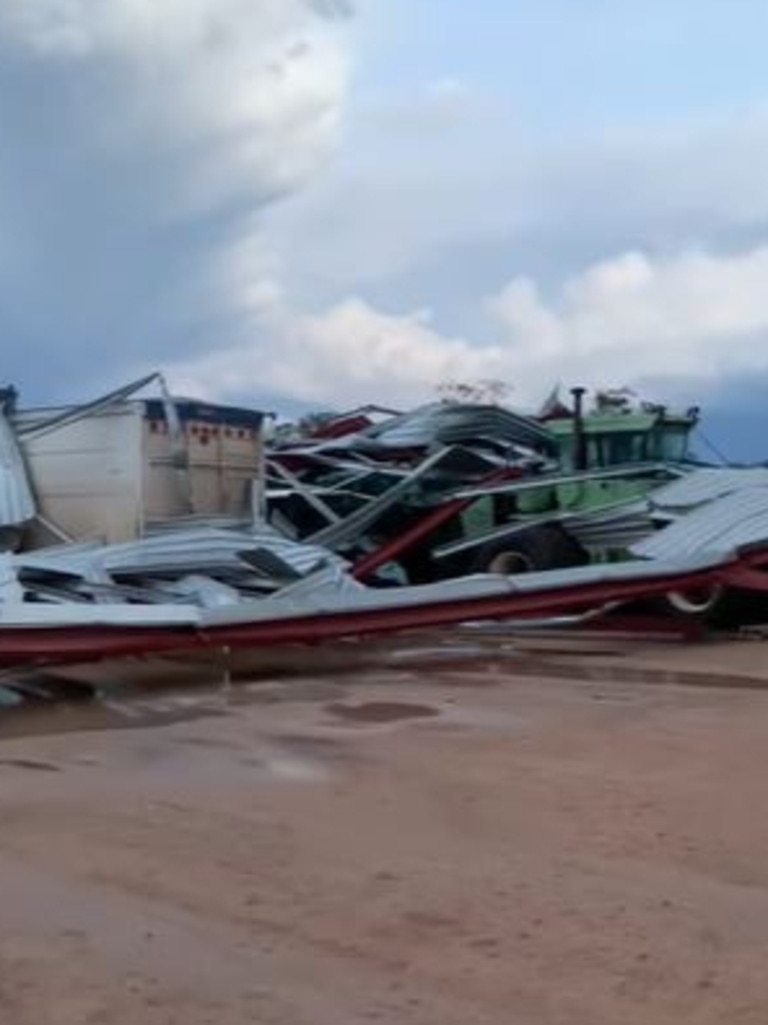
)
(28, 763)
(378, 712)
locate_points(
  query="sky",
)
(302, 204)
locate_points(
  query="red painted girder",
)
(81, 644)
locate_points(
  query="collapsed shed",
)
(112, 470)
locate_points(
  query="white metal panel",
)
(17, 506)
(88, 475)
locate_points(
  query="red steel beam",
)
(82, 644)
(748, 578)
(367, 566)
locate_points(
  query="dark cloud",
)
(129, 166)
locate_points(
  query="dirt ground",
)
(467, 845)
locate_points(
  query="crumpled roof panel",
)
(456, 424)
(17, 503)
(706, 485)
(726, 524)
(197, 550)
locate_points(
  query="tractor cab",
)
(617, 432)
(608, 441)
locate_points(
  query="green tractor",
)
(608, 456)
(612, 436)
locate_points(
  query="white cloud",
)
(687, 320)
(253, 91)
(447, 87)
(350, 353)
(448, 99)
(416, 199)
(140, 138)
(692, 316)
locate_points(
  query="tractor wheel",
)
(538, 548)
(699, 602)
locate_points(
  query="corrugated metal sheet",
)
(37, 614)
(541, 480)
(17, 504)
(615, 527)
(724, 525)
(332, 592)
(450, 424)
(705, 485)
(178, 553)
(329, 594)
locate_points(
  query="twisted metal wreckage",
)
(367, 527)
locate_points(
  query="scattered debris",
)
(375, 522)
(457, 488)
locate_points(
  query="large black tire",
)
(547, 546)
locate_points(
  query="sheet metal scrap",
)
(734, 521)
(357, 490)
(481, 426)
(246, 562)
(215, 584)
(705, 485)
(330, 604)
(17, 503)
(212, 588)
(377, 495)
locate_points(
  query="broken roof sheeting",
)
(194, 550)
(330, 593)
(706, 485)
(726, 524)
(17, 504)
(333, 593)
(201, 550)
(328, 608)
(613, 527)
(453, 424)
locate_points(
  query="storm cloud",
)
(139, 144)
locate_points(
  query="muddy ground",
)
(463, 843)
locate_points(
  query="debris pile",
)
(452, 489)
(374, 522)
(396, 485)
